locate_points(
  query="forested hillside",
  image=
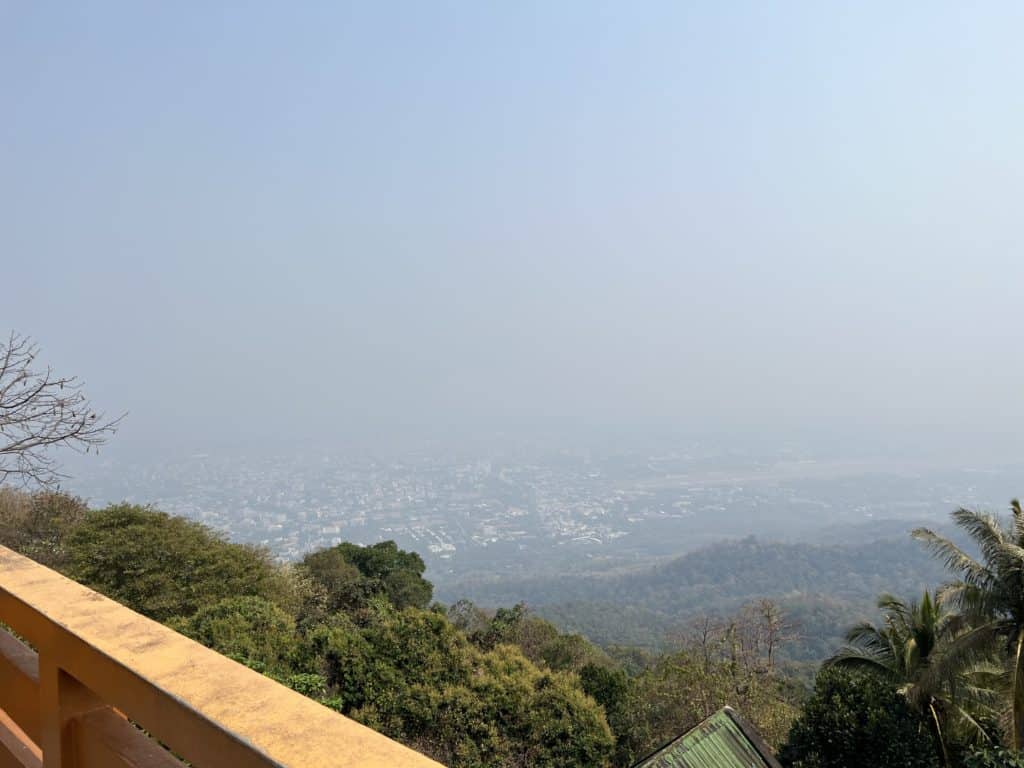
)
(932, 681)
(824, 589)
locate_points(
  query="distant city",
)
(484, 516)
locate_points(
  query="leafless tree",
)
(764, 627)
(703, 636)
(775, 628)
(748, 640)
(40, 411)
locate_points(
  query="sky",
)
(334, 221)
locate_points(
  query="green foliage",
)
(633, 661)
(307, 683)
(649, 699)
(858, 720)
(250, 629)
(517, 626)
(346, 660)
(993, 757)
(608, 687)
(413, 645)
(613, 690)
(491, 709)
(913, 648)
(349, 627)
(822, 588)
(414, 676)
(352, 576)
(954, 658)
(556, 708)
(538, 639)
(345, 588)
(990, 597)
(567, 652)
(37, 525)
(681, 689)
(164, 566)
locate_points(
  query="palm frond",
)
(852, 657)
(891, 604)
(954, 558)
(974, 602)
(1018, 520)
(969, 725)
(974, 646)
(1007, 559)
(985, 529)
(866, 633)
(950, 623)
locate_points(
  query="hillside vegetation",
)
(936, 680)
(355, 628)
(823, 588)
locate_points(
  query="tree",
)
(569, 653)
(413, 676)
(344, 586)
(683, 688)
(352, 574)
(564, 725)
(468, 617)
(39, 411)
(37, 525)
(990, 595)
(517, 626)
(773, 628)
(251, 630)
(163, 566)
(857, 720)
(613, 690)
(908, 650)
(345, 656)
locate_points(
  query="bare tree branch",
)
(39, 411)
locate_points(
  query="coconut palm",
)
(989, 593)
(908, 648)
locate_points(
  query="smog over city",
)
(583, 303)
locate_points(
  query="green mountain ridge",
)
(823, 588)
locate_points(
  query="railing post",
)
(95, 669)
(63, 699)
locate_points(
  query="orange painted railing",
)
(91, 674)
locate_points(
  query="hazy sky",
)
(341, 220)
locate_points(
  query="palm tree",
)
(908, 649)
(989, 594)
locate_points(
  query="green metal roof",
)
(724, 740)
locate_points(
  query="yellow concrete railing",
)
(98, 667)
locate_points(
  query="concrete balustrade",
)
(91, 674)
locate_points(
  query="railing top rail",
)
(204, 705)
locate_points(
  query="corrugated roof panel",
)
(718, 742)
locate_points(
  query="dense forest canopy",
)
(823, 588)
